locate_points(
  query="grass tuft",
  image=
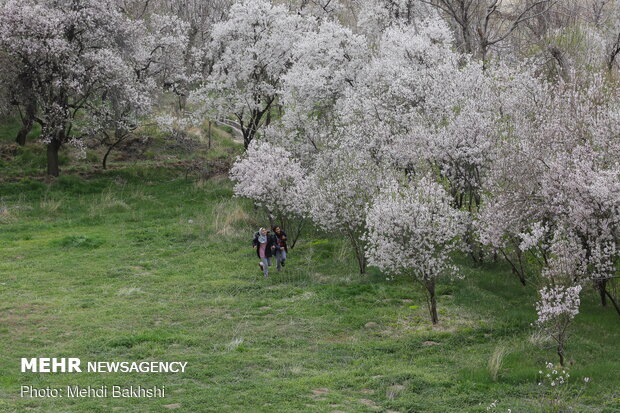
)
(50, 206)
(496, 361)
(79, 241)
(229, 217)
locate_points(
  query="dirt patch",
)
(320, 391)
(27, 315)
(370, 403)
(317, 394)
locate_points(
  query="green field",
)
(144, 263)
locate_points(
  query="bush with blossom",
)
(556, 309)
(559, 391)
(562, 277)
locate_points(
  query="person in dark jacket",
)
(281, 248)
(264, 243)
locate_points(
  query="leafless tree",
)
(482, 24)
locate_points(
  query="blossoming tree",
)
(559, 299)
(269, 176)
(341, 186)
(75, 53)
(412, 231)
(252, 51)
(559, 172)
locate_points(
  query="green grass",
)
(10, 125)
(142, 264)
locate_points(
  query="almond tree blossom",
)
(556, 309)
(421, 106)
(153, 59)
(375, 16)
(269, 176)
(341, 186)
(199, 16)
(557, 170)
(252, 51)
(504, 218)
(327, 62)
(413, 231)
(565, 271)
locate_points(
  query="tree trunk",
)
(27, 123)
(119, 139)
(300, 227)
(432, 300)
(52, 157)
(561, 354)
(613, 301)
(519, 272)
(484, 50)
(558, 55)
(601, 286)
(209, 136)
(361, 259)
(104, 162)
(359, 253)
(466, 34)
(23, 132)
(247, 138)
(362, 263)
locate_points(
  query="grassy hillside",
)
(148, 147)
(151, 260)
(142, 263)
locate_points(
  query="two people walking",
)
(269, 245)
